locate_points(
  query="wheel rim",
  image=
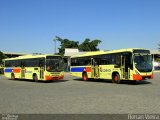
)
(84, 77)
(116, 78)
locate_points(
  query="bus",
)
(132, 64)
(34, 67)
(1, 69)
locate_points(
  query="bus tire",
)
(133, 81)
(35, 78)
(84, 76)
(116, 78)
(12, 76)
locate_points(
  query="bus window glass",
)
(143, 62)
(54, 64)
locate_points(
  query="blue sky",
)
(29, 26)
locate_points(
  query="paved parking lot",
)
(72, 95)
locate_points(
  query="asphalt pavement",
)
(74, 96)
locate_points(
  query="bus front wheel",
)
(116, 78)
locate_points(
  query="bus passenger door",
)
(125, 67)
(22, 72)
(94, 68)
(41, 65)
(41, 73)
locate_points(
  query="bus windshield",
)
(54, 64)
(143, 62)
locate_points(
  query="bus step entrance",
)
(126, 75)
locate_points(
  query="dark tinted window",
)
(110, 59)
(81, 61)
(106, 59)
(13, 63)
(53, 57)
(35, 62)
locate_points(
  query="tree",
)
(88, 45)
(2, 56)
(159, 47)
(65, 43)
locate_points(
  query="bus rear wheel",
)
(84, 76)
(12, 76)
(116, 78)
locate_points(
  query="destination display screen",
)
(141, 51)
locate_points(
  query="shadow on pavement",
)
(125, 82)
(136, 83)
(27, 80)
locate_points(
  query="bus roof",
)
(30, 56)
(107, 52)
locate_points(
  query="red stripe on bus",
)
(88, 69)
(16, 70)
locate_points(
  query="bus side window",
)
(118, 60)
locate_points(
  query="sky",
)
(29, 26)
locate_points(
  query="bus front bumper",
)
(48, 78)
(142, 77)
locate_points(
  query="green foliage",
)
(158, 60)
(87, 45)
(65, 43)
(2, 56)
